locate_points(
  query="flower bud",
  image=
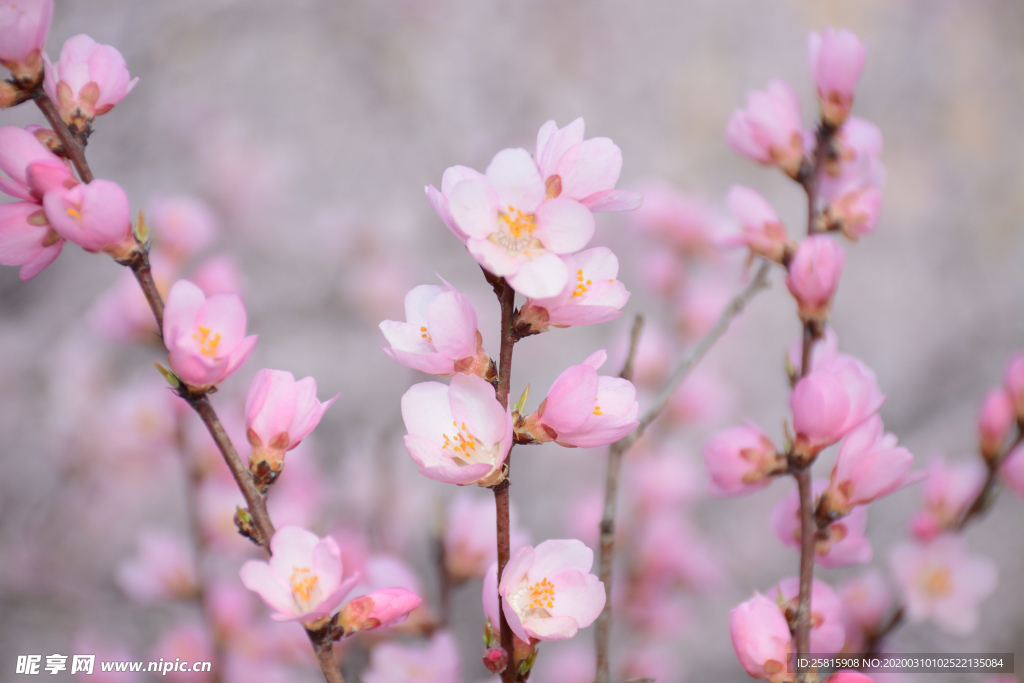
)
(96, 216)
(741, 459)
(87, 81)
(760, 636)
(495, 659)
(23, 28)
(814, 276)
(837, 58)
(1013, 379)
(763, 232)
(769, 130)
(995, 419)
(379, 609)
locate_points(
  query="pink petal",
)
(514, 176)
(564, 226)
(426, 410)
(570, 400)
(259, 578)
(559, 555)
(453, 325)
(473, 402)
(542, 275)
(597, 169)
(613, 200)
(578, 595)
(553, 143)
(474, 208)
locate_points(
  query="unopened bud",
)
(495, 659)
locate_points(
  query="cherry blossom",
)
(87, 81)
(592, 295)
(836, 58)
(740, 460)
(760, 636)
(769, 130)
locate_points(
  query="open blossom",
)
(769, 130)
(948, 491)
(760, 636)
(95, 216)
(26, 238)
(379, 609)
(458, 434)
(439, 335)
(763, 232)
(87, 81)
(584, 170)
(469, 547)
(813, 275)
(592, 295)
(942, 582)
(400, 663)
(514, 229)
(836, 58)
(995, 419)
(583, 409)
(205, 336)
(837, 395)
(741, 460)
(827, 630)
(279, 413)
(869, 465)
(844, 542)
(302, 580)
(547, 592)
(23, 28)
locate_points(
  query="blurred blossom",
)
(683, 221)
(867, 599)
(219, 275)
(469, 536)
(183, 226)
(769, 130)
(189, 642)
(662, 479)
(164, 568)
(844, 542)
(948, 491)
(827, 631)
(121, 313)
(703, 398)
(395, 663)
(836, 58)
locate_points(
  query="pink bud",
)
(827, 631)
(302, 581)
(852, 187)
(995, 419)
(835, 397)
(814, 275)
(840, 544)
(836, 62)
(205, 336)
(585, 410)
(592, 296)
(869, 466)
(1013, 470)
(88, 80)
(741, 459)
(1014, 381)
(760, 636)
(379, 609)
(942, 582)
(279, 413)
(26, 238)
(769, 130)
(20, 153)
(95, 216)
(763, 232)
(495, 660)
(23, 28)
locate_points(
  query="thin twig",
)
(75, 152)
(618, 449)
(323, 645)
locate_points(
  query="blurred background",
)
(303, 134)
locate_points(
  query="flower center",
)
(75, 212)
(425, 335)
(462, 446)
(582, 284)
(542, 594)
(936, 581)
(515, 230)
(303, 584)
(208, 343)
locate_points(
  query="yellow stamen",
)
(425, 335)
(597, 410)
(936, 581)
(518, 223)
(303, 583)
(75, 213)
(581, 285)
(207, 343)
(542, 594)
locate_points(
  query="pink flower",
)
(763, 232)
(948, 491)
(186, 641)
(941, 581)
(827, 631)
(23, 28)
(547, 592)
(184, 226)
(836, 396)
(852, 189)
(1013, 470)
(379, 609)
(163, 570)
(302, 581)
(995, 420)
(398, 663)
(769, 130)
(205, 336)
(761, 639)
(584, 170)
(867, 599)
(671, 553)
(844, 543)
(440, 335)
(685, 222)
(1013, 379)
(514, 230)
(26, 238)
(869, 466)
(88, 80)
(279, 413)
(585, 410)
(458, 434)
(469, 547)
(95, 216)
(813, 275)
(836, 62)
(32, 169)
(741, 460)
(592, 295)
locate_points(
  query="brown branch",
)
(74, 151)
(808, 537)
(506, 297)
(602, 634)
(323, 645)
